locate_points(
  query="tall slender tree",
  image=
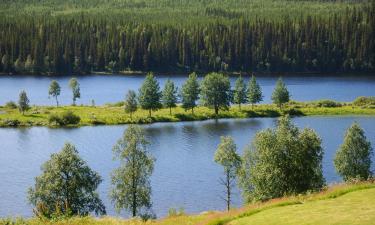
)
(227, 157)
(74, 85)
(280, 94)
(190, 92)
(169, 95)
(240, 90)
(131, 104)
(254, 93)
(54, 90)
(23, 102)
(131, 187)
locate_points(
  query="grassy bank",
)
(114, 114)
(339, 204)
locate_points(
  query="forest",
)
(81, 36)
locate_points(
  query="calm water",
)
(185, 174)
(112, 88)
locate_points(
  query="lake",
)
(185, 174)
(112, 88)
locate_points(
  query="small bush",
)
(327, 103)
(11, 105)
(11, 122)
(364, 101)
(66, 118)
(174, 212)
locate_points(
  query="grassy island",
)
(114, 114)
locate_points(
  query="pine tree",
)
(190, 92)
(254, 94)
(131, 104)
(169, 95)
(280, 94)
(240, 92)
(149, 94)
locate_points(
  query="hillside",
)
(122, 36)
(339, 204)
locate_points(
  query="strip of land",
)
(339, 204)
(114, 114)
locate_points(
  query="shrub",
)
(174, 212)
(327, 103)
(66, 118)
(11, 122)
(364, 101)
(11, 105)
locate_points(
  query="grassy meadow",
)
(113, 114)
(337, 204)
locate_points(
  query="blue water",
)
(112, 88)
(185, 174)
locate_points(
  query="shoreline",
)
(115, 115)
(200, 73)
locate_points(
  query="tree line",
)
(82, 44)
(281, 161)
(214, 92)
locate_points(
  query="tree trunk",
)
(216, 110)
(228, 191)
(192, 110)
(57, 102)
(170, 110)
(149, 113)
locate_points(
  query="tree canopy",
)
(190, 92)
(66, 186)
(215, 91)
(131, 189)
(149, 94)
(281, 161)
(353, 158)
(280, 94)
(169, 95)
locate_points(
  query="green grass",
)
(338, 204)
(112, 114)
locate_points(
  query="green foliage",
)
(66, 187)
(254, 94)
(190, 92)
(64, 37)
(11, 105)
(239, 96)
(227, 157)
(64, 119)
(280, 94)
(327, 103)
(54, 90)
(364, 101)
(23, 102)
(131, 104)
(172, 212)
(149, 94)
(215, 91)
(281, 161)
(74, 85)
(353, 158)
(169, 95)
(131, 181)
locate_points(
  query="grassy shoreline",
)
(114, 114)
(339, 203)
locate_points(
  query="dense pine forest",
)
(84, 36)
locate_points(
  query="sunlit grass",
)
(111, 115)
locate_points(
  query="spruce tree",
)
(254, 94)
(149, 94)
(280, 94)
(190, 92)
(240, 90)
(169, 95)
